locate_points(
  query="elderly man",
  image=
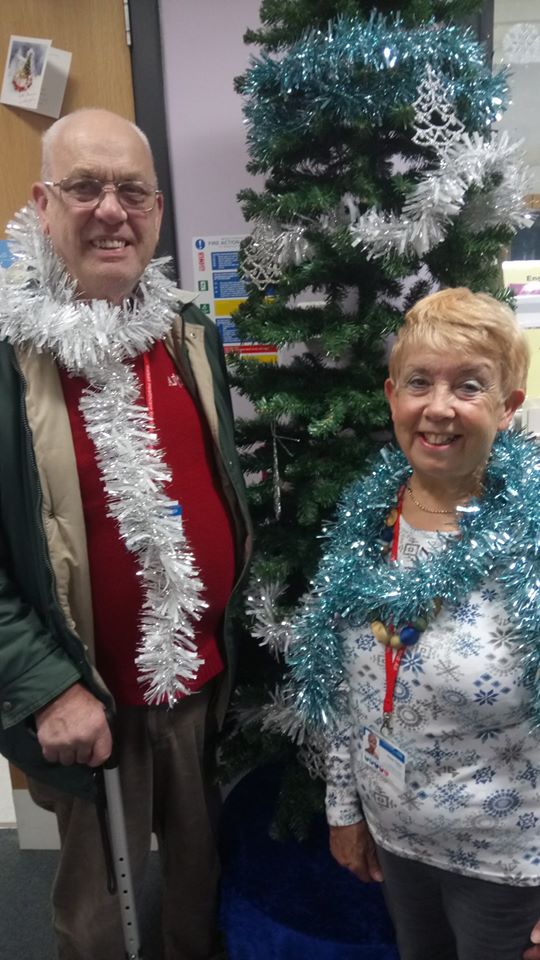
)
(123, 532)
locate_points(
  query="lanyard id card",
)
(383, 757)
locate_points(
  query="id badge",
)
(383, 757)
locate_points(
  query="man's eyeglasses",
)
(87, 192)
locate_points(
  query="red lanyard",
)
(174, 509)
(392, 660)
(148, 390)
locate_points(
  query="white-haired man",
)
(123, 530)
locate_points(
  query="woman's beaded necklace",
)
(391, 635)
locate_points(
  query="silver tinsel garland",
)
(440, 196)
(261, 604)
(500, 538)
(490, 164)
(493, 165)
(280, 716)
(38, 309)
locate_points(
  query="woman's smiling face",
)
(447, 408)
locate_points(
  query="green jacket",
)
(46, 630)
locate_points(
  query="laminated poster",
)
(221, 290)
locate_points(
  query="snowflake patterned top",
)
(39, 310)
(499, 537)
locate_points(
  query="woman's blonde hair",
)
(473, 323)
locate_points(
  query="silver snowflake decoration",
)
(270, 250)
(436, 124)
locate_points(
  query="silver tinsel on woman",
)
(93, 340)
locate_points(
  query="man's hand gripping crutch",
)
(74, 728)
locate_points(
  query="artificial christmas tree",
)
(384, 179)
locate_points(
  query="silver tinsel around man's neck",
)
(39, 310)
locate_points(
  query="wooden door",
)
(94, 32)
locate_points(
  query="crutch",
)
(113, 833)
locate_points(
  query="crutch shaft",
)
(124, 882)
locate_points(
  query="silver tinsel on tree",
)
(487, 161)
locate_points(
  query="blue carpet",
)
(289, 900)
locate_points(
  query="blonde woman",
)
(420, 646)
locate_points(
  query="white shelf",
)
(7, 810)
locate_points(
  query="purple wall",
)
(202, 52)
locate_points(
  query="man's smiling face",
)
(105, 249)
